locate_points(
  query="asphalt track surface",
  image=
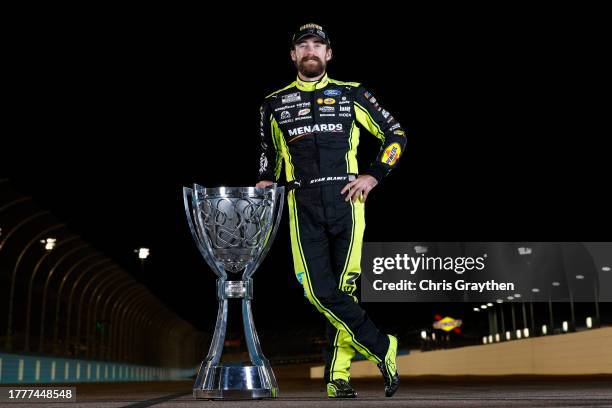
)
(296, 390)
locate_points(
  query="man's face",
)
(310, 56)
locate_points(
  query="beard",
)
(311, 67)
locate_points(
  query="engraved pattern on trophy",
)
(233, 228)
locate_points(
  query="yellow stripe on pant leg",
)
(348, 252)
(352, 266)
(332, 365)
(345, 352)
(299, 261)
(353, 263)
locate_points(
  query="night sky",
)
(113, 117)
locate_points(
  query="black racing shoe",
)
(340, 389)
(389, 369)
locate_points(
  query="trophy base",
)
(235, 382)
(235, 394)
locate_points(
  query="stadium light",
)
(49, 243)
(421, 249)
(143, 253)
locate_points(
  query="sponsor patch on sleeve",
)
(391, 154)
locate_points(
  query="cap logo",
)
(315, 26)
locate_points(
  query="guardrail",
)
(24, 369)
(60, 296)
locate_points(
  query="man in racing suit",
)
(311, 126)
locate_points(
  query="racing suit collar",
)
(312, 85)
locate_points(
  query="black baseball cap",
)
(308, 30)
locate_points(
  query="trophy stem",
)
(255, 352)
(216, 346)
(218, 380)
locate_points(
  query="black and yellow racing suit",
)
(312, 128)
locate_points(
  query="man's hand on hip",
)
(359, 188)
(264, 183)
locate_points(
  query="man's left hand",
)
(359, 188)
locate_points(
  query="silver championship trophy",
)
(233, 228)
